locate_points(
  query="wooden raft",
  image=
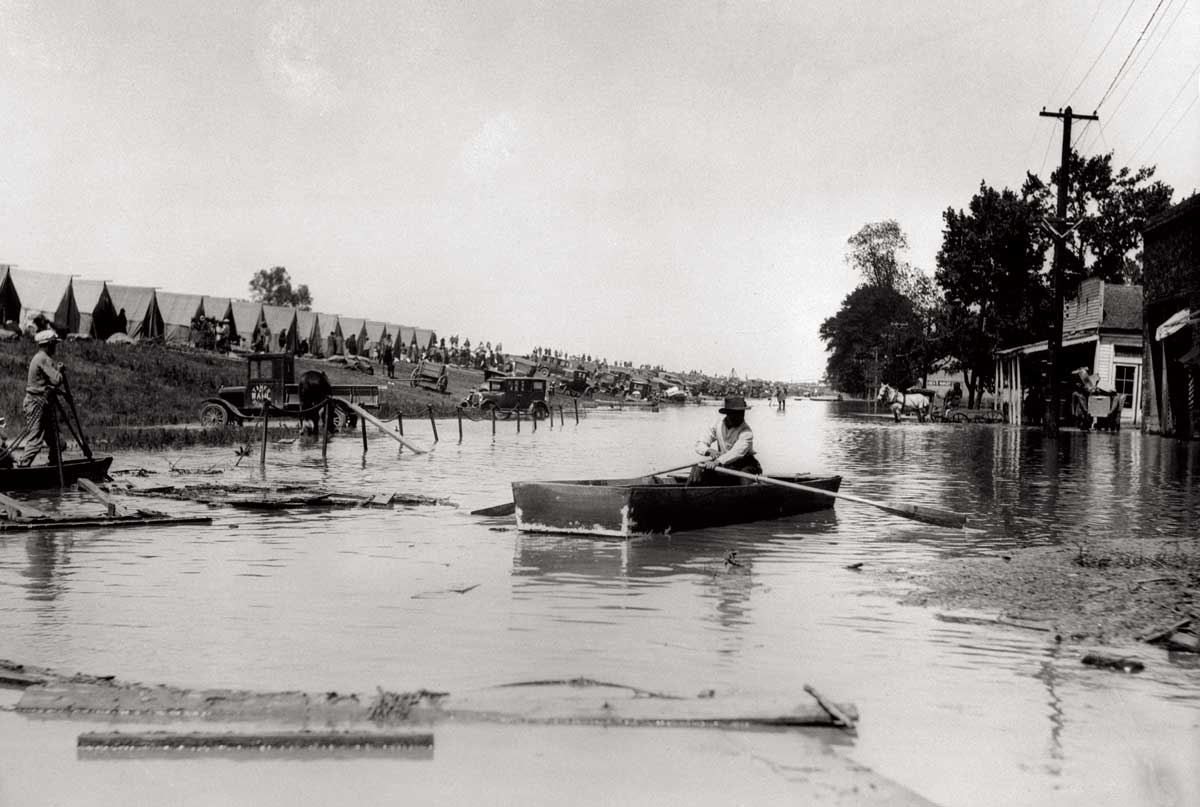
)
(281, 497)
(23, 517)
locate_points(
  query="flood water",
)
(348, 600)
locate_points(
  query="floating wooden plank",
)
(194, 741)
(114, 509)
(551, 703)
(18, 509)
(100, 522)
(379, 424)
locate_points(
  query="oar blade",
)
(929, 515)
(506, 509)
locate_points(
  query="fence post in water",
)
(400, 431)
(363, 422)
(266, 413)
(433, 423)
(459, 412)
(518, 421)
(576, 411)
(493, 421)
(533, 416)
(325, 415)
(562, 418)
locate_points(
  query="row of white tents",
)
(94, 308)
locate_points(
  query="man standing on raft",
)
(728, 444)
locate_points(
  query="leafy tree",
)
(274, 287)
(875, 337)
(882, 332)
(990, 268)
(875, 252)
(1111, 206)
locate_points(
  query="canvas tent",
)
(352, 326)
(280, 319)
(48, 294)
(143, 320)
(330, 331)
(97, 317)
(246, 316)
(217, 308)
(10, 301)
(306, 331)
(425, 339)
(374, 333)
(178, 312)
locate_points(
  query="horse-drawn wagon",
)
(430, 374)
(271, 384)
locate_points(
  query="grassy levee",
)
(148, 396)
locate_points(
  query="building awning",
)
(1044, 345)
(1178, 320)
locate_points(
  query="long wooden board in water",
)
(100, 522)
(576, 702)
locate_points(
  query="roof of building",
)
(1122, 307)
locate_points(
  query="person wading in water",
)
(728, 444)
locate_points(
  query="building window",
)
(1125, 380)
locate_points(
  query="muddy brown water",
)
(431, 597)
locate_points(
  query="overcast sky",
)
(665, 182)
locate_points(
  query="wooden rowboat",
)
(45, 477)
(625, 507)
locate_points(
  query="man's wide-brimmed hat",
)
(45, 337)
(735, 403)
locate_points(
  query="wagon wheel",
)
(539, 411)
(590, 392)
(342, 419)
(416, 373)
(957, 417)
(213, 416)
(442, 382)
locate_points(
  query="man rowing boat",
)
(729, 443)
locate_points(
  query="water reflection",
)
(430, 596)
(48, 556)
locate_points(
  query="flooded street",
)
(348, 600)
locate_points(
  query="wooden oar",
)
(929, 515)
(508, 508)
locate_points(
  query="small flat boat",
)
(45, 477)
(658, 504)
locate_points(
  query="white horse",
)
(900, 402)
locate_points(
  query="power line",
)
(1153, 53)
(1049, 143)
(1173, 128)
(1129, 55)
(1078, 47)
(1167, 109)
(1102, 50)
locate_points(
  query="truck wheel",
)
(213, 416)
(539, 411)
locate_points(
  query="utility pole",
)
(1060, 230)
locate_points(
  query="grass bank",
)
(147, 396)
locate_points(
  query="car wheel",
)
(213, 416)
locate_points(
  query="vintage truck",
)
(271, 378)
